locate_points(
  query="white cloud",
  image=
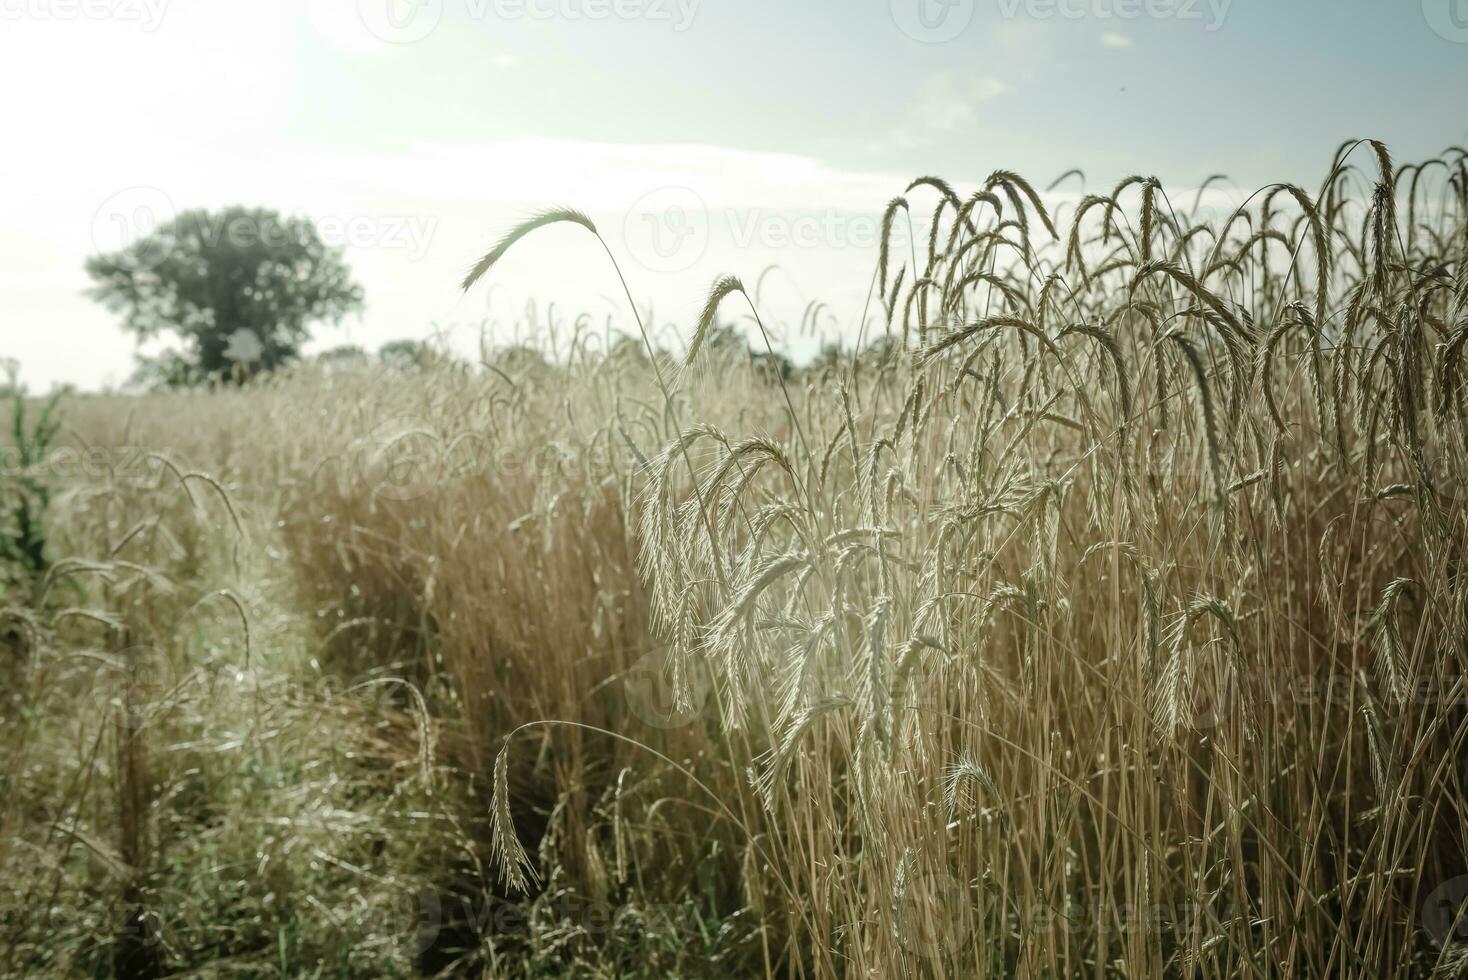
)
(944, 104)
(533, 172)
(950, 101)
(341, 26)
(1111, 39)
(1016, 35)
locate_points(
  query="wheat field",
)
(1093, 609)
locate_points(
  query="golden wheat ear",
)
(888, 217)
(723, 286)
(550, 217)
(1072, 172)
(938, 184)
(508, 854)
(1008, 180)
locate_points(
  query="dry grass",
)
(1104, 618)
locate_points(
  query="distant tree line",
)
(241, 288)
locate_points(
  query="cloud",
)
(943, 104)
(948, 102)
(1111, 39)
(1020, 35)
(342, 26)
(529, 172)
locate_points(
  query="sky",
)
(703, 136)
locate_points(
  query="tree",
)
(240, 287)
(404, 354)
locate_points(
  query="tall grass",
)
(1102, 617)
